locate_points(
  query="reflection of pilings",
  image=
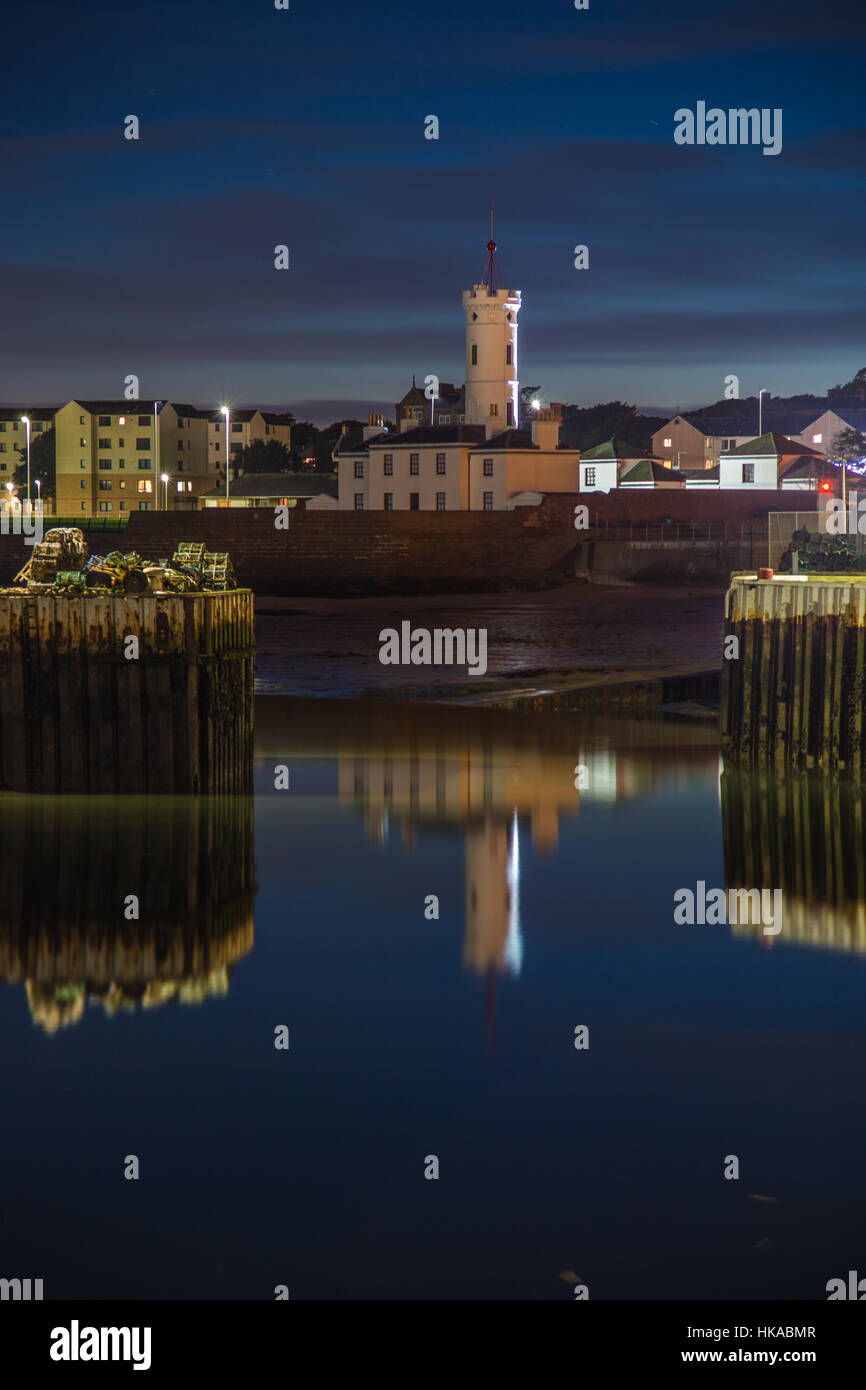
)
(793, 693)
(69, 870)
(119, 693)
(806, 835)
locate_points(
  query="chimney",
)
(375, 424)
(545, 428)
(407, 423)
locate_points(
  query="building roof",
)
(39, 412)
(647, 470)
(280, 485)
(115, 407)
(612, 449)
(772, 445)
(430, 434)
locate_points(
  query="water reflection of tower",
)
(492, 937)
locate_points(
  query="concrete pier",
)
(792, 696)
(85, 708)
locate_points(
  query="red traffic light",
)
(825, 487)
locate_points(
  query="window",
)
(508, 355)
(144, 419)
(389, 501)
(144, 463)
(440, 464)
(121, 463)
(104, 420)
(748, 472)
(590, 477)
(37, 426)
(82, 443)
(475, 354)
(82, 419)
(440, 501)
(488, 501)
(817, 439)
(84, 463)
(709, 444)
(180, 465)
(104, 464)
(105, 506)
(359, 469)
(120, 444)
(389, 465)
(445, 419)
(143, 442)
(84, 506)
(488, 468)
(414, 501)
(414, 461)
(145, 506)
(145, 485)
(236, 429)
(494, 408)
(180, 443)
(121, 484)
(359, 501)
(83, 484)
(667, 443)
(104, 484)
(2, 427)
(2, 448)
(123, 506)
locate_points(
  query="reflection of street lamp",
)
(25, 420)
(38, 482)
(165, 492)
(227, 413)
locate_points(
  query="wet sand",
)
(577, 634)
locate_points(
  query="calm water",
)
(453, 1037)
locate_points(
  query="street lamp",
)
(165, 492)
(227, 413)
(38, 482)
(763, 392)
(25, 420)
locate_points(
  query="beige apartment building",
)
(244, 427)
(13, 436)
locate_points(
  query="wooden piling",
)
(81, 712)
(794, 695)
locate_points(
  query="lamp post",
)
(227, 413)
(38, 482)
(25, 420)
(165, 492)
(763, 392)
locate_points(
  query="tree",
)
(853, 390)
(527, 395)
(849, 446)
(42, 464)
(584, 427)
(262, 456)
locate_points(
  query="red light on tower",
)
(825, 487)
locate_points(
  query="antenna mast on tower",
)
(490, 278)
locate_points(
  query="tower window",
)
(494, 408)
(474, 354)
(508, 355)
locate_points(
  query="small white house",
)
(762, 464)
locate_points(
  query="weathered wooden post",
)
(793, 693)
(107, 692)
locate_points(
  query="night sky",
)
(306, 127)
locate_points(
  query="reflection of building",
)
(71, 868)
(806, 835)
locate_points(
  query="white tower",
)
(491, 350)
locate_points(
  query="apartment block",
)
(245, 426)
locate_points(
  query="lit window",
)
(817, 439)
(494, 408)
(145, 485)
(667, 443)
